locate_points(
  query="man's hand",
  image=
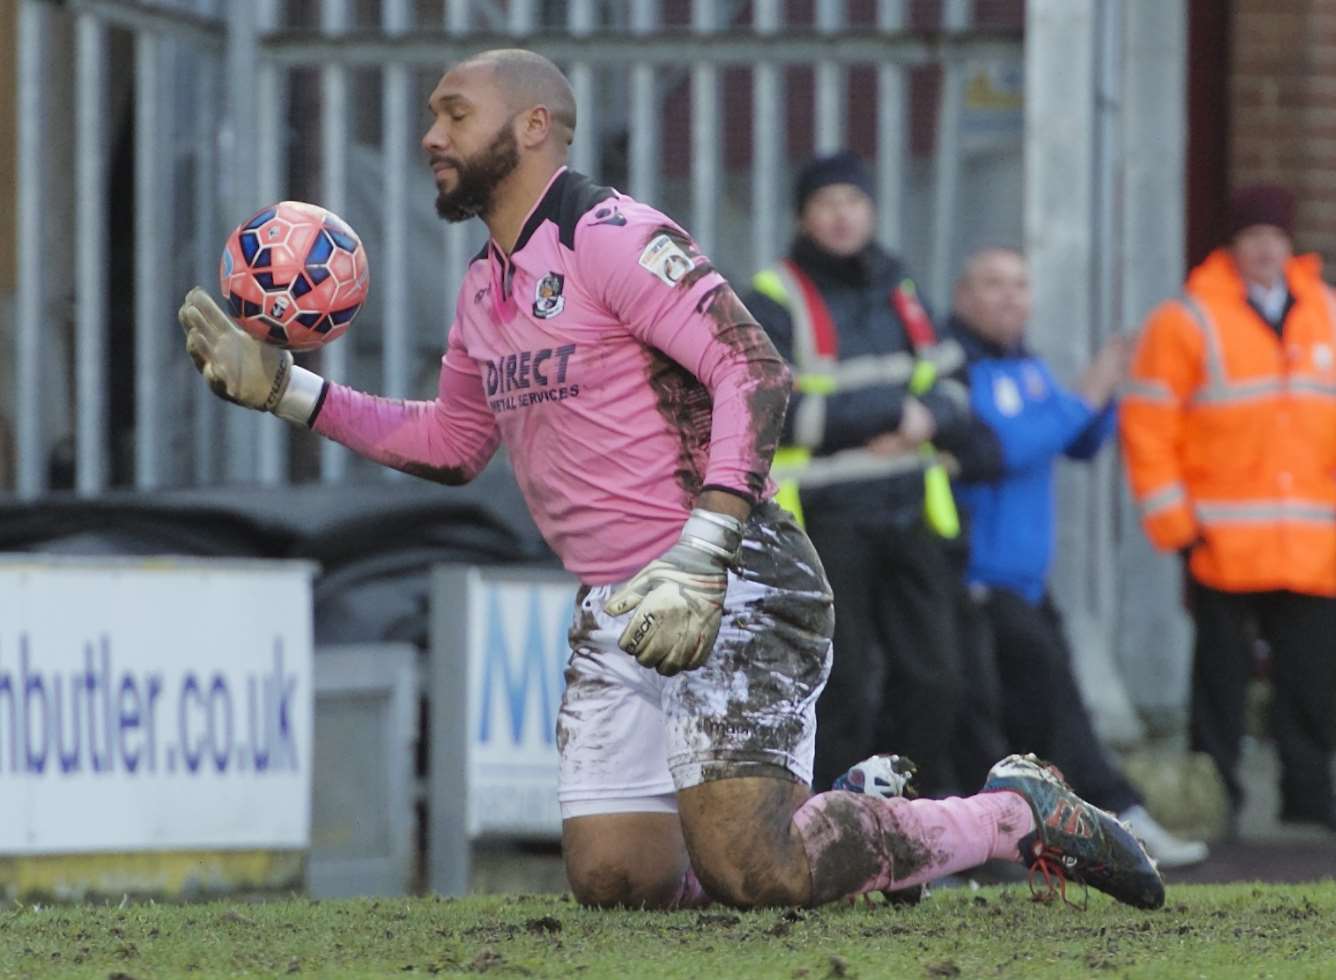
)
(236, 366)
(888, 444)
(1106, 372)
(678, 598)
(917, 426)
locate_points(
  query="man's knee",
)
(632, 859)
(752, 880)
(613, 885)
(739, 834)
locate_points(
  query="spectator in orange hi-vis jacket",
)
(1229, 431)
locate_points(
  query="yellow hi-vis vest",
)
(818, 373)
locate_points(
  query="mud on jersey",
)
(618, 366)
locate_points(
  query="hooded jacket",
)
(1229, 431)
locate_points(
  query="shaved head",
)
(993, 295)
(502, 124)
(980, 259)
(527, 79)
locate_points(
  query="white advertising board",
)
(154, 704)
(517, 661)
(500, 653)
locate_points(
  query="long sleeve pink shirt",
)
(618, 366)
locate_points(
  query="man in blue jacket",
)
(1011, 522)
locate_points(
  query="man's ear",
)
(535, 126)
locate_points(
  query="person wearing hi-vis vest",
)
(1229, 432)
(875, 397)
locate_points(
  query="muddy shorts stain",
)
(625, 731)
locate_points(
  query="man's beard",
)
(476, 179)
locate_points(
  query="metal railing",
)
(628, 62)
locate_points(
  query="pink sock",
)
(857, 843)
(691, 895)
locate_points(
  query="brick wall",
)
(1283, 94)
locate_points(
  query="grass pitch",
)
(1204, 931)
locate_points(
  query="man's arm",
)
(828, 422)
(1166, 370)
(1098, 388)
(655, 280)
(1029, 432)
(977, 453)
(958, 431)
(1091, 439)
(448, 440)
(947, 397)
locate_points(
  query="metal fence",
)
(703, 107)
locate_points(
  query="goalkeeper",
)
(641, 404)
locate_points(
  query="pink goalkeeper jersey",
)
(618, 366)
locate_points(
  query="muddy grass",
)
(1204, 931)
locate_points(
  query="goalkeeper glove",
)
(240, 368)
(678, 599)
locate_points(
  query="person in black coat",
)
(876, 394)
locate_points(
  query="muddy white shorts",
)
(629, 738)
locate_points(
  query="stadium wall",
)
(8, 143)
(1283, 93)
(8, 242)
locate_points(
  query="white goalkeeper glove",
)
(678, 598)
(240, 368)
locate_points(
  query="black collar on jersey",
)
(567, 200)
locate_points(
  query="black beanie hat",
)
(1261, 204)
(839, 168)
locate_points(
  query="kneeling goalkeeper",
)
(641, 403)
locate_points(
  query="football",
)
(294, 275)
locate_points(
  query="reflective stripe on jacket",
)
(1229, 431)
(820, 373)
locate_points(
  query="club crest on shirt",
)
(1007, 396)
(547, 298)
(1322, 357)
